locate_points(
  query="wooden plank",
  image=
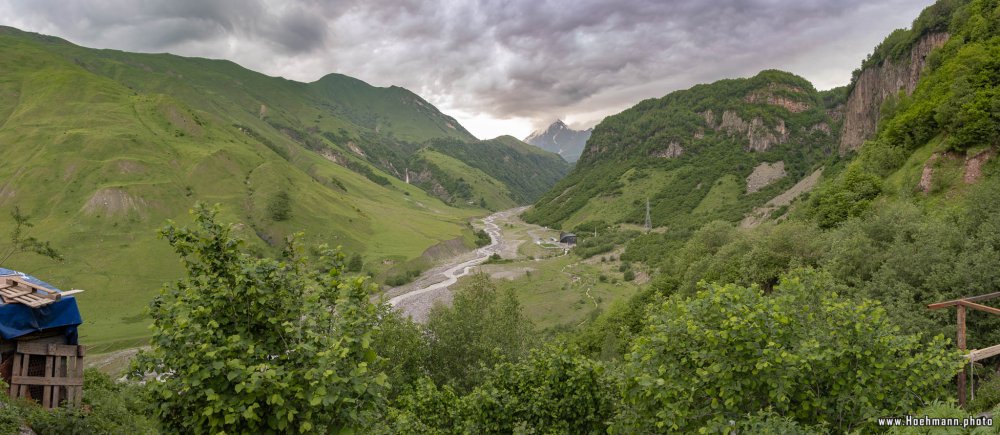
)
(39, 380)
(70, 292)
(16, 370)
(71, 371)
(47, 390)
(77, 373)
(979, 307)
(48, 349)
(33, 300)
(32, 285)
(955, 302)
(25, 367)
(986, 352)
(961, 346)
(13, 292)
(61, 373)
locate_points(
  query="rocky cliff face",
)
(874, 85)
(759, 136)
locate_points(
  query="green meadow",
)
(101, 148)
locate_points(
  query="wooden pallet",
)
(17, 290)
(61, 377)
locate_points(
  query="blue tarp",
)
(19, 319)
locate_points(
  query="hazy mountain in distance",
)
(561, 139)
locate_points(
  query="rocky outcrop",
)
(732, 123)
(875, 84)
(824, 127)
(974, 165)
(765, 174)
(763, 213)
(759, 136)
(771, 96)
(672, 151)
(709, 118)
(355, 149)
(113, 201)
(927, 174)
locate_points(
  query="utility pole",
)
(649, 221)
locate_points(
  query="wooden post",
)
(961, 346)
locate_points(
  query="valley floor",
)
(557, 288)
(416, 298)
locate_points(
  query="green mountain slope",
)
(934, 144)
(691, 153)
(101, 147)
(526, 170)
(470, 184)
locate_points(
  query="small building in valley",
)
(567, 238)
(40, 356)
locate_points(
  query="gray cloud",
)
(533, 59)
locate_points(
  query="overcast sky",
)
(499, 67)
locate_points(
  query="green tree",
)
(851, 194)
(482, 327)
(279, 208)
(402, 345)
(804, 352)
(245, 344)
(553, 390)
(356, 263)
(20, 242)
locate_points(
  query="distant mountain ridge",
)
(103, 146)
(711, 152)
(560, 139)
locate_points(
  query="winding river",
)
(418, 300)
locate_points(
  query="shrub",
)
(482, 327)
(250, 344)
(356, 263)
(805, 352)
(280, 206)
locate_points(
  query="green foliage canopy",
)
(260, 345)
(805, 352)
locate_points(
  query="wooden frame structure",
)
(40, 366)
(61, 377)
(976, 354)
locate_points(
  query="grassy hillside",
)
(691, 145)
(526, 170)
(102, 147)
(492, 193)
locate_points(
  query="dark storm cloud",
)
(533, 59)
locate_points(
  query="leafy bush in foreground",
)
(804, 352)
(259, 345)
